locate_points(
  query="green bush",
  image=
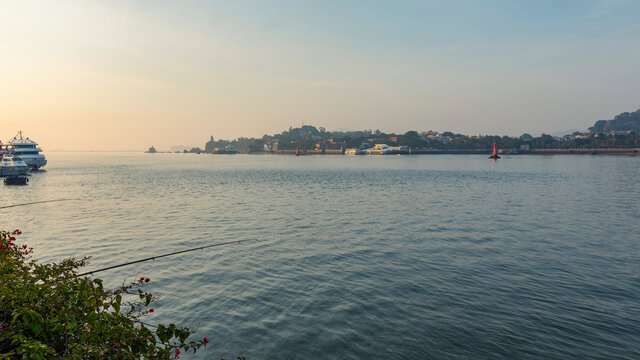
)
(47, 311)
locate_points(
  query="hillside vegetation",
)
(627, 121)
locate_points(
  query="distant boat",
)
(229, 149)
(12, 165)
(380, 149)
(16, 180)
(495, 153)
(360, 150)
(28, 151)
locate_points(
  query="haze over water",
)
(427, 257)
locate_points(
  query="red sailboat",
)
(297, 150)
(495, 153)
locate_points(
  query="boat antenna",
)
(163, 255)
(37, 202)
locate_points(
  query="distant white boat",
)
(28, 150)
(360, 150)
(380, 149)
(12, 165)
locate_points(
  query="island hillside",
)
(621, 132)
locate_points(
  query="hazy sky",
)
(119, 75)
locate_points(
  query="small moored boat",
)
(16, 180)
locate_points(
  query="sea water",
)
(359, 257)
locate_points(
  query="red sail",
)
(495, 152)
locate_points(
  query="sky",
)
(117, 75)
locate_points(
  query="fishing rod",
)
(36, 202)
(163, 255)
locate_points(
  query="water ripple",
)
(388, 257)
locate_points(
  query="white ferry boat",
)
(380, 149)
(360, 150)
(229, 149)
(28, 150)
(12, 165)
(399, 149)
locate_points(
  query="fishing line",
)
(160, 256)
(36, 202)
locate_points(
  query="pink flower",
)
(147, 280)
(11, 238)
(205, 340)
(151, 310)
(141, 279)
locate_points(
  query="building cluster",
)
(318, 140)
(578, 135)
(571, 137)
(619, 132)
(330, 144)
(434, 135)
(271, 145)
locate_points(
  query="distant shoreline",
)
(605, 151)
(598, 151)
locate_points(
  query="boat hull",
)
(16, 180)
(11, 171)
(34, 162)
(28, 151)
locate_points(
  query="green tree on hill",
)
(626, 121)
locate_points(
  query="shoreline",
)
(598, 151)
